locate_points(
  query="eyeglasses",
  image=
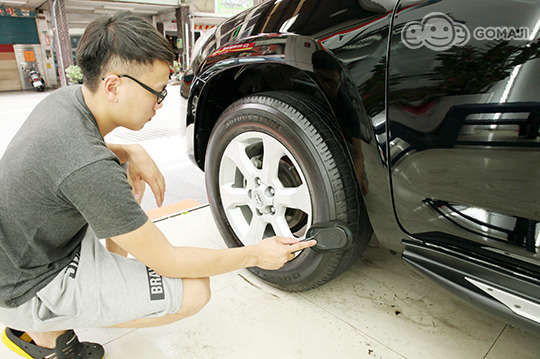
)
(159, 94)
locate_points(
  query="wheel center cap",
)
(259, 199)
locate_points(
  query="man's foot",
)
(67, 346)
(45, 339)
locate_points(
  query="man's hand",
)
(141, 168)
(274, 252)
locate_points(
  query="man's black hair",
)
(125, 37)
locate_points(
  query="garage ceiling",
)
(81, 12)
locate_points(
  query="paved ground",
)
(380, 308)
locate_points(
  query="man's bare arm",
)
(151, 247)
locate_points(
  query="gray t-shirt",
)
(56, 178)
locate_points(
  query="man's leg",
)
(195, 295)
(115, 248)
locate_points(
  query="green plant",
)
(74, 73)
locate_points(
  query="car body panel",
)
(437, 161)
(484, 170)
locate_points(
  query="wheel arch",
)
(211, 96)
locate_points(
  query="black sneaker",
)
(67, 346)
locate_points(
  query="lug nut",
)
(258, 181)
(259, 213)
(272, 210)
(271, 191)
(256, 162)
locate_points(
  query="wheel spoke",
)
(255, 232)
(295, 197)
(236, 152)
(281, 228)
(232, 197)
(272, 154)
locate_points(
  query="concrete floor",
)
(380, 308)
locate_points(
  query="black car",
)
(415, 120)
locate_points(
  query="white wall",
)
(46, 39)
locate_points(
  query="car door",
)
(463, 106)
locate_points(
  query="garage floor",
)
(380, 308)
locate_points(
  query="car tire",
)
(314, 173)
